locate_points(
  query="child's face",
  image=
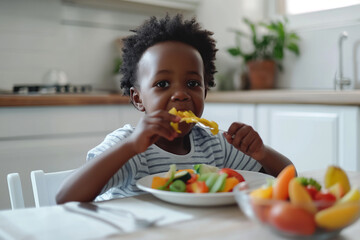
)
(171, 74)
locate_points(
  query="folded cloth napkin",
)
(57, 222)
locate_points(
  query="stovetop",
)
(51, 89)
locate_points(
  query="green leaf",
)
(292, 47)
(309, 181)
(269, 41)
(278, 52)
(293, 36)
(234, 51)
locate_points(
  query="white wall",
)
(319, 60)
(221, 17)
(39, 35)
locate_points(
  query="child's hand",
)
(151, 127)
(246, 139)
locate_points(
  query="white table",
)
(179, 222)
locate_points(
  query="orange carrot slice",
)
(158, 182)
(281, 185)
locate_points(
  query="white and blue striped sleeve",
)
(236, 159)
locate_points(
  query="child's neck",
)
(179, 146)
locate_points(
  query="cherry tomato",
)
(312, 191)
(189, 188)
(232, 173)
(193, 178)
(290, 218)
(324, 199)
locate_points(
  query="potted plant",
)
(269, 41)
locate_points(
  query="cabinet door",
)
(226, 114)
(53, 139)
(48, 154)
(313, 137)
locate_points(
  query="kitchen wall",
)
(39, 35)
(319, 33)
(221, 17)
(319, 60)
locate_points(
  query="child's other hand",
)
(151, 127)
(246, 139)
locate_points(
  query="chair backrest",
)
(46, 185)
(15, 191)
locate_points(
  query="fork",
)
(139, 222)
(92, 210)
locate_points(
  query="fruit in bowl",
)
(300, 207)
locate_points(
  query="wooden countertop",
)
(62, 100)
(326, 97)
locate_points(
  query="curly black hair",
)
(156, 30)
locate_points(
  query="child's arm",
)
(86, 183)
(246, 139)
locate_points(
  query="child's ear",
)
(136, 99)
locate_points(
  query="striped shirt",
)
(205, 148)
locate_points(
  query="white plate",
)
(253, 179)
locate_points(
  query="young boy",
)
(167, 63)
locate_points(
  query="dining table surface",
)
(171, 221)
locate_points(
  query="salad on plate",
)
(202, 178)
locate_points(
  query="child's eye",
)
(162, 84)
(193, 83)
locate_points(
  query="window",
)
(316, 14)
(293, 7)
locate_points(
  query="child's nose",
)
(180, 95)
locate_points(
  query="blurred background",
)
(81, 38)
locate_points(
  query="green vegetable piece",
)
(309, 181)
(204, 168)
(204, 176)
(210, 181)
(170, 174)
(196, 168)
(177, 186)
(219, 184)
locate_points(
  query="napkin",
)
(57, 222)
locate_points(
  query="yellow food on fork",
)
(190, 117)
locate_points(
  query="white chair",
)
(15, 191)
(46, 185)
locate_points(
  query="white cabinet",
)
(312, 136)
(226, 113)
(53, 139)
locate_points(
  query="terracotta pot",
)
(262, 74)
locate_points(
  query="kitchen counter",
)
(326, 97)
(13, 100)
